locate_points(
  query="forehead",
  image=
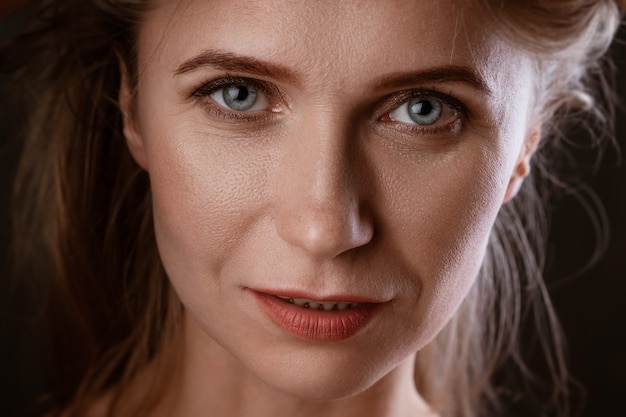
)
(350, 40)
(338, 47)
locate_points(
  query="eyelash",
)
(447, 100)
(204, 92)
(274, 96)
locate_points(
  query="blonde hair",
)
(569, 40)
(83, 206)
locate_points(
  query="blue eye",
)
(240, 97)
(424, 112)
(421, 111)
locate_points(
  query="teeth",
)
(315, 305)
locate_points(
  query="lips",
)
(318, 320)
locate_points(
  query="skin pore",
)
(285, 160)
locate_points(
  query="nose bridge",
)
(320, 208)
(325, 165)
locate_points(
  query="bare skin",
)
(330, 152)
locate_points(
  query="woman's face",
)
(311, 156)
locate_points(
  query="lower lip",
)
(322, 326)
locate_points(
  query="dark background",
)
(591, 302)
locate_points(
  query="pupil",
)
(242, 94)
(239, 97)
(425, 111)
(422, 107)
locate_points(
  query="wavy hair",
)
(83, 209)
(509, 301)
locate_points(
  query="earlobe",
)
(522, 166)
(131, 132)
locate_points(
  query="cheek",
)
(205, 198)
(440, 230)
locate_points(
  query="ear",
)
(522, 166)
(131, 131)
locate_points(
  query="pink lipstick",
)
(319, 320)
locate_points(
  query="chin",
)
(319, 376)
(323, 389)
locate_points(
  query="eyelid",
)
(403, 97)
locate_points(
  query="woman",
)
(268, 207)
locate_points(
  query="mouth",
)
(318, 320)
(320, 305)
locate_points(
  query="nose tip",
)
(326, 229)
(321, 188)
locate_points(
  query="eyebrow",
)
(228, 61)
(449, 73)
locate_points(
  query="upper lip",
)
(350, 298)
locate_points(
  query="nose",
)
(322, 209)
